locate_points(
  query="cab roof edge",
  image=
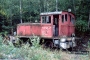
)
(48, 13)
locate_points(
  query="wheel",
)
(48, 44)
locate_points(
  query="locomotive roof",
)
(29, 24)
(48, 13)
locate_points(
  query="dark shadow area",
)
(82, 47)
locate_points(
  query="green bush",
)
(25, 52)
(1, 40)
(81, 25)
(35, 41)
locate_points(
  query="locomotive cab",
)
(57, 23)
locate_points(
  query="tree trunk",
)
(89, 20)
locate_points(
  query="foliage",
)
(1, 40)
(9, 52)
(35, 41)
(81, 26)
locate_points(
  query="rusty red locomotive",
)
(56, 28)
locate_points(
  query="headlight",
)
(63, 39)
(56, 41)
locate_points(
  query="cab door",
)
(55, 25)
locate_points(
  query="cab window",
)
(46, 19)
(66, 17)
(72, 19)
(62, 18)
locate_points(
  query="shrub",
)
(25, 52)
(35, 41)
(81, 25)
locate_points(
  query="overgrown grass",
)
(35, 52)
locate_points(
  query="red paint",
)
(66, 28)
(28, 29)
(46, 30)
(21, 30)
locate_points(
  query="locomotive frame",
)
(56, 28)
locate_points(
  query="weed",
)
(35, 52)
(35, 41)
